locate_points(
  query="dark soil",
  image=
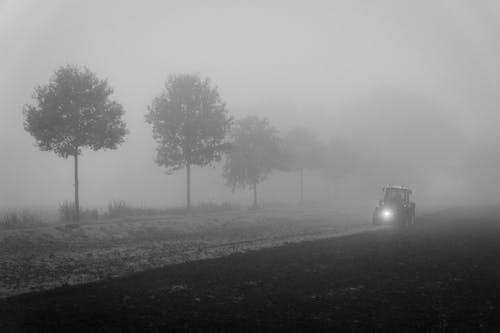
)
(440, 275)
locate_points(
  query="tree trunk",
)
(77, 201)
(255, 195)
(188, 187)
(301, 185)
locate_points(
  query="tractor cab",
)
(398, 194)
(396, 208)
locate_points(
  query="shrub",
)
(118, 209)
(67, 212)
(19, 219)
(212, 207)
(122, 209)
(90, 214)
(203, 207)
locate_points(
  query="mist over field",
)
(222, 166)
(399, 92)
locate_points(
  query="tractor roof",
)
(397, 187)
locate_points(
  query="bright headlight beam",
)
(387, 213)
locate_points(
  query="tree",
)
(255, 152)
(303, 151)
(190, 124)
(74, 111)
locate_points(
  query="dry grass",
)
(120, 209)
(12, 220)
(67, 213)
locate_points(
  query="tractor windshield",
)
(395, 195)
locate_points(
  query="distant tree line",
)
(190, 124)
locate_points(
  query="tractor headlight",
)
(387, 213)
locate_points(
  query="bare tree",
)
(74, 111)
(256, 151)
(190, 123)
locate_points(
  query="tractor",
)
(395, 209)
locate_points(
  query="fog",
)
(401, 92)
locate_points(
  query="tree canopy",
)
(74, 111)
(190, 122)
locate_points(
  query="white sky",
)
(296, 62)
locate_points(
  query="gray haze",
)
(411, 90)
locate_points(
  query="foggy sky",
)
(340, 68)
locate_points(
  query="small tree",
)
(190, 123)
(256, 151)
(73, 111)
(303, 151)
